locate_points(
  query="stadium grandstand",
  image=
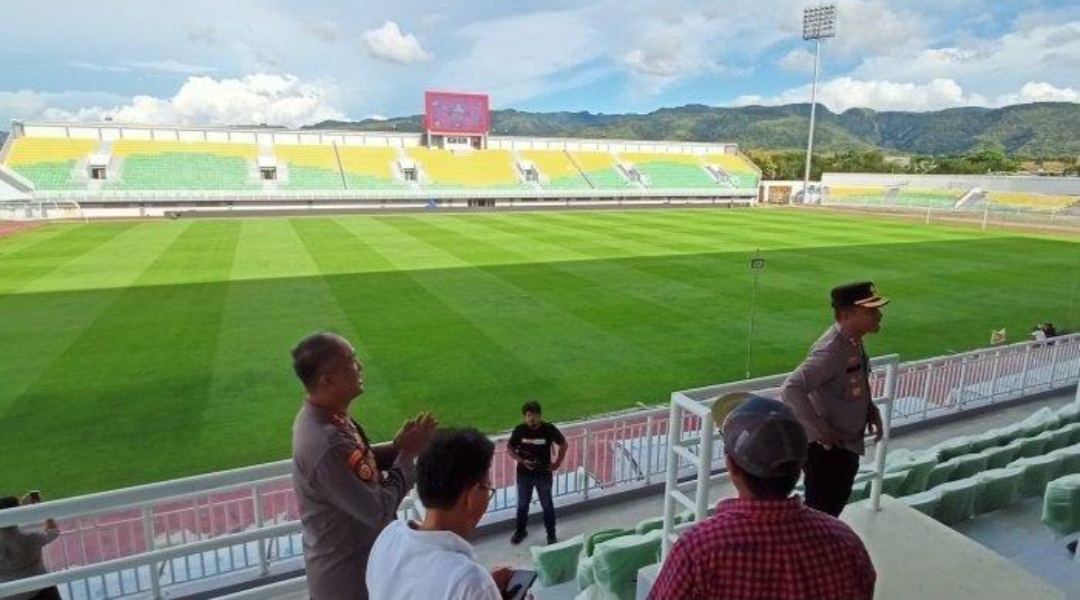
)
(115, 169)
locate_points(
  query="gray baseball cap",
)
(761, 435)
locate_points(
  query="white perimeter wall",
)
(1065, 186)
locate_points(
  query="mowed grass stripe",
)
(276, 295)
(521, 322)
(21, 268)
(37, 328)
(127, 396)
(419, 353)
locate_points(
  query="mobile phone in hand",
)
(34, 496)
(519, 584)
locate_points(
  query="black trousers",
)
(49, 593)
(829, 475)
(541, 481)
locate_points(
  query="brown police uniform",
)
(830, 393)
(347, 492)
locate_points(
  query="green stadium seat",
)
(999, 456)
(1061, 505)
(1070, 413)
(951, 448)
(649, 525)
(924, 502)
(1038, 470)
(957, 501)
(940, 473)
(1070, 459)
(967, 466)
(1032, 446)
(557, 563)
(617, 561)
(1000, 488)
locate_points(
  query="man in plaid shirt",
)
(765, 544)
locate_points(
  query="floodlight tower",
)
(818, 23)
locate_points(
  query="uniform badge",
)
(365, 473)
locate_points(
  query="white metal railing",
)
(607, 455)
(697, 447)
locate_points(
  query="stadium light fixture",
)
(819, 22)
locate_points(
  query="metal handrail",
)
(146, 559)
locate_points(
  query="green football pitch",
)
(133, 352)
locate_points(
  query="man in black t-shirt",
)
(530, 445)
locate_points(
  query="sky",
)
(290, 63)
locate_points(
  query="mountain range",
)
(1043, 129)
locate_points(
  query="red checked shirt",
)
(768, 549)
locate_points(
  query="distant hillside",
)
(1042, 129)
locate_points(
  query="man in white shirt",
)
(432, 559)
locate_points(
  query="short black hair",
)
(8, 502)
(312, 354)
(531, 406)
(453, 460)
(770, 488)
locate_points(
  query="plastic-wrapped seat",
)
(1061, 505)
(1058, 438)
(1038, 470)
(967, 466)
(957, 500)
(557, 563)
(918, 473)
(616, 563)
(649, 525)
(999, 456)
(1070, 413)
(1070, 459)
(951, 448)
(892, 484)
(1074, 432)
(1032, 446)
(1043, 419)
(585, 574)
(988, 439)
(940, 473)
(999, 488)
(860, 490)
(924, 502)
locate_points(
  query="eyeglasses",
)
(490, 490)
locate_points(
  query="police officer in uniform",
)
(347, 490)
(830, 393)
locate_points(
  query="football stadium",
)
(154, 277)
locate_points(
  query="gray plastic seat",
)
(1000, 488)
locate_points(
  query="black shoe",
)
(517, 537)
(552, 539)
(1071, 547)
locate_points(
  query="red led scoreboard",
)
(454, 113)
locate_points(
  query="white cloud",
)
(26, 105)
(844, 92)
(391, 44)
(799, 60)
(169, 66)
(91, 66)
(1038, 91)
(273, 99)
